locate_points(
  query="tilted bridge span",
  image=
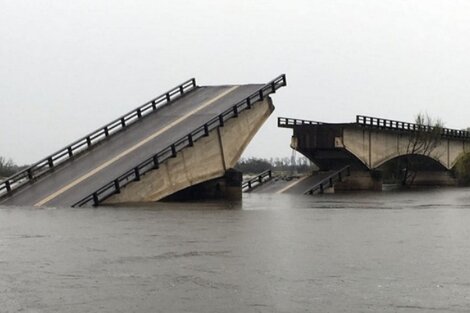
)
(185, 137)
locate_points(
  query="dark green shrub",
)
(462, 169)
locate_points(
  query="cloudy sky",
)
(67, 67)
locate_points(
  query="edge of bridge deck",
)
(379, 123)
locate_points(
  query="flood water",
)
(363, 252)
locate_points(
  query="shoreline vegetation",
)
(281, 166)
(8, 168)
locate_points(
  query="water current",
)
(361, 252)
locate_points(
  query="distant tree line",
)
(286, 165)
(8, 167)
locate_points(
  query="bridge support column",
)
(434, 178)
(361, 180)
(227, 187)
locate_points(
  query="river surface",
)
(363, 252)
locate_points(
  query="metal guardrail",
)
(171, 151)
(256, 181)
(289, 122)
(47, 164)
(382, 123)
(329, 181)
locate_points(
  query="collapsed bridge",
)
(182, 139)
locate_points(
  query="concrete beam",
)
(374, 147)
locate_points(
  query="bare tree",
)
(8, 167)
(424, 139)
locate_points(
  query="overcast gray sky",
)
(67, 67)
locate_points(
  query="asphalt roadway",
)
(91, 170)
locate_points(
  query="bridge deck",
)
(293, 186)
(84, 174)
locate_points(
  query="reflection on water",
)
(361, 252)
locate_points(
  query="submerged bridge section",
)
(187, 136)
(369, 144)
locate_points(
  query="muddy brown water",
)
(361, 252)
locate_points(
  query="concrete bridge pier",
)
(361, 180)
(373, 180)
(434, 178)
(227, 187)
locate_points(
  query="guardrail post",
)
(50, 162)
(88, 141)
(321, 188)
(248, 103)
(235, 111)
(139, 113)
(193, 82)
(249, 184)
(221, 120)
(261, 95)
(123, 122)
(96, 201)
(106, 131)
(156, 163)
(206, 130)
(181, 89)
(137, 173)
(7, 186)
(190, 140)
(273, 86)
(116, 186)
(154, 105)
(70, 151)
(30, 173)
(173, 151)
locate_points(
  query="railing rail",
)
(10, 184)
(261, 178)
(329, 181)
(155, 160)
(375, 122)
(287, 122)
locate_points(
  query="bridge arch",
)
(426, 160)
